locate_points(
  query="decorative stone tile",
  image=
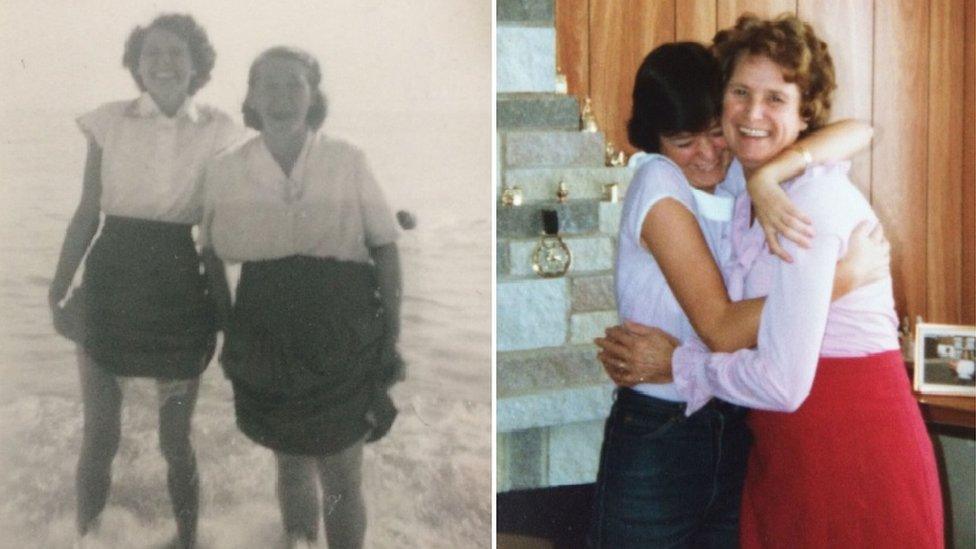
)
(526, 12)
(584, 327)
(590, 253)
(502, 261)
(574, 453)
(543, 370)
(592, 293)
(610, 217)
(551, 149)
(525, 59)
(523, 458)
(531, 313)
(575, 216)
(537, 111)
(556, 407)
(582, 182)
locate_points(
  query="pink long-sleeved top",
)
(799, 323)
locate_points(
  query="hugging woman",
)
(840, 456)
(666, 480)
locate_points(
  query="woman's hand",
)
(777, 214)
(867, 259)
(58, 316)
(67, 317)
(633, 354)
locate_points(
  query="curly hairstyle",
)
(678, 88)
(791, 44)
(187, 29)
(319, 107)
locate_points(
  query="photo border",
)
(923, 330)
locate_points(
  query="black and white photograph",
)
(945, 361)
(246, 294)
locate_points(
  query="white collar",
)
(261, 162)
(145, 107)
(712, 206)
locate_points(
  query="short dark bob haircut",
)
(187, 29)
(319, 107)
(678, 88)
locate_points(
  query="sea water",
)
(427, 484)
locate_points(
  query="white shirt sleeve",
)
(97, 123)
(657, 178)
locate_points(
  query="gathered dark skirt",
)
(301, 351)
(147, 310)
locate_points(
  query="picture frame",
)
(944, 359)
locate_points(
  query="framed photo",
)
(945, 359)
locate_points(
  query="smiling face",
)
(281, 96)
(165, 68)
(703, 157)
(760, 111)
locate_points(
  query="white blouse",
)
(151, 163)
(329, 206)
(643, 294)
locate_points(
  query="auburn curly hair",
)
(790, 43)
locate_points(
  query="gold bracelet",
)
(805, 154)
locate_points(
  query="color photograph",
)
(710, 217)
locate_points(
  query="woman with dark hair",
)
(311, 339)
(145, 308)
(666, 480)
(841, 456)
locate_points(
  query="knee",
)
(342, 485)
(100, 440)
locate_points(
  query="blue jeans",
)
(667, 480)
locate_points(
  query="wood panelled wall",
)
(907, 66)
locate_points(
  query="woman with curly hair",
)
(144, 306)
(666, 480)
(840, 457)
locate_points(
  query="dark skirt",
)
(852, 467)
(302, 350)
(147, 310)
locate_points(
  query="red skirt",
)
(853, 467)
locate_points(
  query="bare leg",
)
(177, 399)
(102, 402)
(342, 498)
(298, 496)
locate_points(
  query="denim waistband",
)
(626, 396)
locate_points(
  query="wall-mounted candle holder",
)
(512, 196)
(612, 157)
(587, 118)
(562, 192)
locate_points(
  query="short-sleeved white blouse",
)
(151, 163)
(643, 294)
(329, 206)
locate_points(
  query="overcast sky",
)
(428, 62)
